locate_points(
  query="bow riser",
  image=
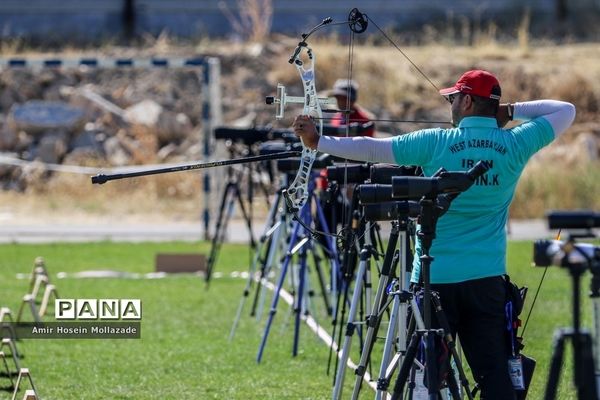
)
(297, 193)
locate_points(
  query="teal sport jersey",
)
(470, 240)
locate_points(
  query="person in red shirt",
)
(357, 118)
(351, 120)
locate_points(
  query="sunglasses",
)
(451, 97)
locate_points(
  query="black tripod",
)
(583, 360)
(428, 219)
(299, 244)
(232, 193)
(438, 192)
(390, 262)
(269, 244)
(360, 238)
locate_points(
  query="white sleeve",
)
(360, 148)
(559, 114)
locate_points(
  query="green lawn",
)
(184, 351)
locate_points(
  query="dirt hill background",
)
(564, 175)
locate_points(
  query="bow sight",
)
(282, 99)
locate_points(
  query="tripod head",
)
(255, 135)
(570, 254)
(567, 254)
(391, 210)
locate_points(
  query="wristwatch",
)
(510, 109)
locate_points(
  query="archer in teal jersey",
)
(470, 244)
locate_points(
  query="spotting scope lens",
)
(582, 219)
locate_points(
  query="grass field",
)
(184, 351)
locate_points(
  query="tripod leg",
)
(343, 296)
(555, 365)
(266, 262)
(338, 276)
(277, 246)
(406, 366)
(398, 331)
(300, 297)
(275, 300)
(390, 339)
(247, 217)
(453, 386)
(431, 366)
(321, 279)
(389, 264)
(265, 242)
(443, 322)
(585, 378)
(330, 250)
(246, 292)
(215, 245)
(350, 326)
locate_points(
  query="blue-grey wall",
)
(88, 19)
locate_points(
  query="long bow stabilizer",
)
(102, 178)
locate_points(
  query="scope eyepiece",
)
(391, 210)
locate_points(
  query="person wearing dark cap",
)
(356, 118)
(351, 120)
(470, 244)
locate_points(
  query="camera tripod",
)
(362, 286)
(584, 375)
(420, 328)
(430, 212)
(300, 242)
(361, 240)
(270, 244)
(379, 307)
(232, 193)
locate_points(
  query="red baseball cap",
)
(476, 82)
